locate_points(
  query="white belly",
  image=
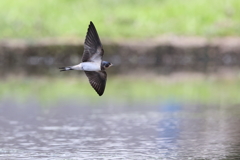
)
(90, 66)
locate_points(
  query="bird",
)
(92, 63)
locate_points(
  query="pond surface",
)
(75, 130)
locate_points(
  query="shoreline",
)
(163, 55)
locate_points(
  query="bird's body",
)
(92, 63)
(86, 66)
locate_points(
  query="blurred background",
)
(176, 66)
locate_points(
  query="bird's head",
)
(106, 64)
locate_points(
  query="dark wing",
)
(97, 80)
(93, 50)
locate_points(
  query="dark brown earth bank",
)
(162, 55)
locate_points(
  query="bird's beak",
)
(111, 65)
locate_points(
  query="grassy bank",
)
(201, 90)
(119, 18)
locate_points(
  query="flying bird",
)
(92, 63)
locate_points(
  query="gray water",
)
(75, 130)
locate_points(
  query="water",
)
(162, 130)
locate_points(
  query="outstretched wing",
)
(97, 80)
(93, 50)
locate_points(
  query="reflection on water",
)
(77, 131)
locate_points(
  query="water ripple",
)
(134, 133)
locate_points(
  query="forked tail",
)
(65, 69)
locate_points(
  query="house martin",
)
(92, 63)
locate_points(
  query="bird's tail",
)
(65, 68)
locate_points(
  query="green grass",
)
(119, 19)
(124, 89)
